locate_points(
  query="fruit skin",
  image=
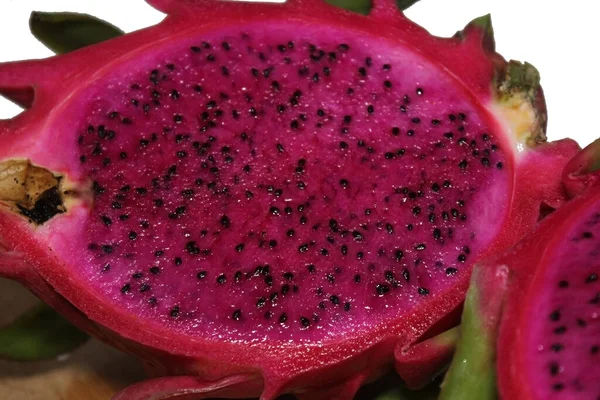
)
(499, 300)
(258, 368)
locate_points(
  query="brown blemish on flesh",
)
(32, 191)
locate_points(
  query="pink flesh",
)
(563, 337)
(203, 307)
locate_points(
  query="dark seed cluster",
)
(285, 183)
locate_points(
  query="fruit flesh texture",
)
(165, 117)
(562, 332)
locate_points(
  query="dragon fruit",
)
(531, 327)
(259, 199)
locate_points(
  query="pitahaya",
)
(531, 327)
(270, 198)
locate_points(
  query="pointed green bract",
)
(364, 6)
(595, 148)
(484, 24)
(64, 32)
(39, 334)
(472, 374)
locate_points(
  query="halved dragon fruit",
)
(270, 198)
(531, 327)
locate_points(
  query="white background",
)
(559, 37)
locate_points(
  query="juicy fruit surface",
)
(564, 338)
(270, 183)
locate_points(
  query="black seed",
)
(555, 315)
(192, 248)
(558, 387)
(423, 291)
(154, 270)
(225, 222)
(303, 248)
(556, 347)
(334, 299)
(357, 236)
(282, 318)
(106, 220)
(132, 235)
(591, 278)
(221, 279)
(274, 211)
(563, 284)
(362, 71)
(291, 232)
(462, 258)
(107, 248)
(560, 330)
(420, 247)
(370, 109)
(431, 218)
(269, 280)
(382, 289)
(305, 322)
(344, 183)
(174, 312)
(126, 288)
(389, 276)
(463, 164)
(272, 243)
(406, 275)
